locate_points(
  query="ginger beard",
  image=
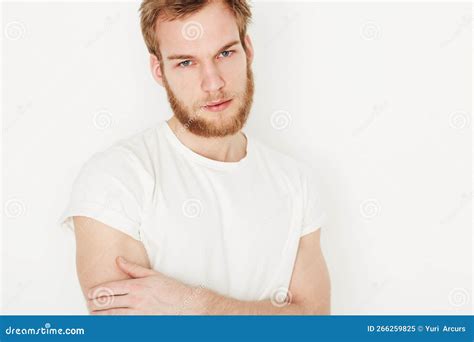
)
(220, 124)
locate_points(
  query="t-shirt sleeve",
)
(314, 214)
(110, 188)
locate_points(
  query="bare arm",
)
(309, 288)
(97, 246)
(151, 292)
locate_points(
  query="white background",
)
(376, 96)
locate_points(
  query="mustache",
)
(221, 96)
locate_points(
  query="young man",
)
(193, 216)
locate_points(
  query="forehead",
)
(199, 33)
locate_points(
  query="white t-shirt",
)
(231, 227)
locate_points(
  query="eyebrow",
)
(171, 57)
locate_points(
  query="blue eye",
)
(226, 53)
(185, 63)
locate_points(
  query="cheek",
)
(183, 86)
(235, 74)
(180, 82)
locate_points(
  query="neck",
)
(231, 148)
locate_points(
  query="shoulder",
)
(133, 153)
(280, 162)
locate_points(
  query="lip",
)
(217, 106)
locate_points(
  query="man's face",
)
(204, 62)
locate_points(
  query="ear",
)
(156, 69)
(249, 49)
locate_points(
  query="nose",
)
(211, 78)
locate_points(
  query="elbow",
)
(317, 311)
(319, 308)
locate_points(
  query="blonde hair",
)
(152, 10)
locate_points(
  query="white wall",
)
(377, 97)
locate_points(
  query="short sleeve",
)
(314, 214)
(110, 188)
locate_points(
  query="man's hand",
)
(148, 293)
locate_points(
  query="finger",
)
(112, 288)
(116, 311)
(132, 269)
(110, 302)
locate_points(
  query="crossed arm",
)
(114, 287)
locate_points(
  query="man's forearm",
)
(220, 305)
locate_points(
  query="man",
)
(194, 216)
